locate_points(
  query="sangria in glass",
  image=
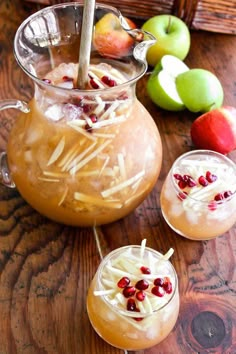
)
(198, 198)
(133, 299)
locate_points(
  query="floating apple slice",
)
(161, 84)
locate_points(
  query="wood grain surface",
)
(46, 268)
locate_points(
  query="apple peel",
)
(215, 130)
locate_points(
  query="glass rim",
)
(143, 64)
(199, 152)
(125, 312)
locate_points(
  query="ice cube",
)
(153, 329)
(55, 112)
(176, 209)
(192, 216)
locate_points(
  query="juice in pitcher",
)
(81, 157)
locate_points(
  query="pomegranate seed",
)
(137, 318)
(67, 78)
(140, 295)
(203, 181)
(108, 81)
(86, 108)
(210, 177)
(227, 194)
(178, 177)
(158, 291)
(182, 184)
(131, 305)
(182, 195)
(158, 281)
(142, 284)
(123, 282)
(47, 81)
(88, 128)
(186, 178)
(145, 270)
(93, 117)
(212, 205)
(94, 84)
(167, 285)
(191, 182)
(129, 291)
(219, 196)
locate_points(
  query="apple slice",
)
(200, 90)
(161, 84)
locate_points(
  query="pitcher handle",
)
(5, 176)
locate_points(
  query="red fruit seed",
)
(191, 183)
(203, 181)
(131, 305)
(219, 196)
(227, 194)
(93, 117)
(94, 84)
(145, 270)
(167, 285)
(182, 195)
(123, 282)
(159, 282)
(129, 291)
(142, 284)
(67, 78)
(108, 81)
(178, 176)
(140, 295)
(212, 205)
(182, 184)
(158, 291)
(210, 177)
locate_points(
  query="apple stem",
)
(85, 43)
(169, 23)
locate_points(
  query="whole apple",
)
(110, 39)
(173, 37)
(215, 130)
(200, 90)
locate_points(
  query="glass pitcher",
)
(81, 157)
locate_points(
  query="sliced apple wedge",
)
(161, 85)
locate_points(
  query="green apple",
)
(161, 86)
(173, 37)
(200, 90)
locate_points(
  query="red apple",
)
(216, 130)
(110, 39)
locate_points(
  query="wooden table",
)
(46, 268)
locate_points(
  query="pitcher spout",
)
(143, 39)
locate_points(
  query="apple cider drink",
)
(133, 300)
(85, 158)
(198, 198)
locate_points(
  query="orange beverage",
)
(88, 159)
(81, 153)
(198, 198)
(133, 300)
